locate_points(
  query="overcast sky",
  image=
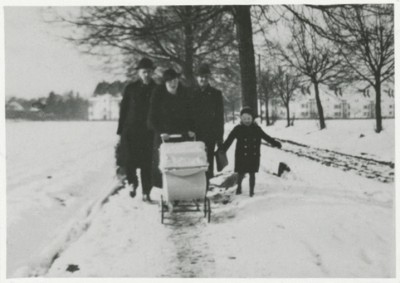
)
(38, 61)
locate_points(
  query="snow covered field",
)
(315, 221)
(54, 169)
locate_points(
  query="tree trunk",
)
(233, 112)
(188, 65)
(267, 111)
(319, 107)
(378, 112)
(287, 115)
(244, 33)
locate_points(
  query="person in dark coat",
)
(247, 154)
(208, 114)
(136, 137)
(169, 113)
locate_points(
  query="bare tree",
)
(364, 35)
(285, 85)
(268, 91)
(315, 59)
(183, 35)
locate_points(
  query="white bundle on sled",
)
(191, 156)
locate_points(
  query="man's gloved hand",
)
(278, 145)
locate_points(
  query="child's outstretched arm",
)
(269, 139)
(227, 143)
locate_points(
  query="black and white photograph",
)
(191, 140)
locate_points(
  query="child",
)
(247, 153)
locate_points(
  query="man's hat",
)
(145, 63)
(203, 70)
(170, 74)
(247, 110)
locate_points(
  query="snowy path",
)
(330, 224)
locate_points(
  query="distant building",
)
(363, 105)
(333, 107)
(14, 106)
(352, 105)
(104, 107)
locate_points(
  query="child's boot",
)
(239, 182)
(251, 191)
(252, 184)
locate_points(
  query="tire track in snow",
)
(192, 256)
(382, 171)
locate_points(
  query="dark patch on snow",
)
(113, 192)
(72, 268)
(53, 259)
(60, 200)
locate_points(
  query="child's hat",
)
(246, 110)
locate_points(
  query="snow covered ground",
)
(55, 172)
(315, 221)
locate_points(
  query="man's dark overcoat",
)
(247, 153)
(208, 119)
(169, 114)
(136, 137)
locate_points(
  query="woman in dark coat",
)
(169, 113)
(247, 153)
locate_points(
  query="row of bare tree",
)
(335, 45)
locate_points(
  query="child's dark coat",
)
(247, 153)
